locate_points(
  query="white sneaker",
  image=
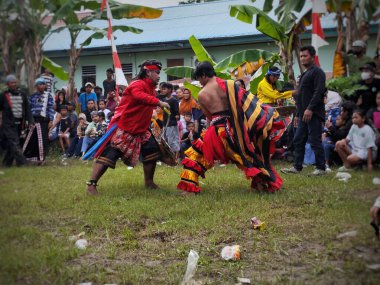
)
(327, 168)
(318, 172)
(343, 169)
(291, 170)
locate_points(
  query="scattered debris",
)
(129, 167)
(222, 165)
(242, 281)
(85, 283)
(76, 237)
(2, 172)
(200, 182)
(347, 234)
(257, 224)
(343, 175)
(81, 243)
(345, 180)
(231, 252)
(192, 261)
(375, 266)
(376, 181)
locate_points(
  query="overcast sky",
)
(152, 3)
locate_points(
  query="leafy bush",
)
(345, 86)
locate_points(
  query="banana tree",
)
(285, 32)
(75, 25)
(225, 68)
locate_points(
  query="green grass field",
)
(141, 236)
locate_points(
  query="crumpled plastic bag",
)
(231, 252)
(192, 261)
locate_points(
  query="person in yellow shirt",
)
(267, 92)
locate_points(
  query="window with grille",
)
(174, 62)
(89, 74)
(127, 70)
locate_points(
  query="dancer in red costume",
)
(242, 130)
(133, 117)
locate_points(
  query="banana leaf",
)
(264, 23)
(180, 71)
(55, 68)
(237, 59)
(200, 52)
(101, 33)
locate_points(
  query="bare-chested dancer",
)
(240, 131)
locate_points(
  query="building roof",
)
(207, 21)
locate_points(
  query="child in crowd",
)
(90, 109)
(90, 133)
(81, 133)
(102, 107)
(189, 136)
(74, 119)
(64, 127)
(331, 136)
(187, 118)
(359, 146)
(375, 213)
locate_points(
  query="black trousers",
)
(10, 141)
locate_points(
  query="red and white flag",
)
(119, 75)
(317, 36)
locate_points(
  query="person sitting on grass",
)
(359, 146)
(89, 110)
(81, 133)
(64, 127)
(90, 133)
(189, 136)
(373, 116)
(331, 136)
(375, 213)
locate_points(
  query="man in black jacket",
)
(310, 113)
(14, 106)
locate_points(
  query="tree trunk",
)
(73, 61)
(33, 59)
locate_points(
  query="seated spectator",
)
(333, 103)
(188, 137)
(185, 119)
(81, 133)
(99, 92)
(102, 107)
(64, 127)
(331, 136)
(111, 102)
(101, 128)
(90, 133)
(359, 145)
(188, 103)
(366, 99)
(373, 116)
(90, 108)
(61, 101)
(375, 213)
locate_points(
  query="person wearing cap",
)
(109, 84)
(356, 57)
(132, 134)
(87, 95)
(267, 91)
(366, 99)
(42, 107)
(16, 114)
